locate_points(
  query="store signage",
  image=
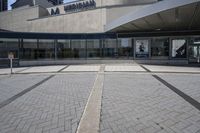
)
(75, 7)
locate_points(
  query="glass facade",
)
(179, 48)
(94, 49)
(29, 49)
(110, 48)
(78, 48)
(126, 48)
(46, 49)
(160, 48)
(64, 49)
(7, 46)
(194, 50)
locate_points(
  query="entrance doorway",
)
(194, 53)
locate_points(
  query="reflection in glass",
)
(110, 48)
(93, 48)
(64, 49)
(29, 49)
(125, 47)
(179, 48)
(78, 48)
(9, 45)
(46, 49)
(193, 52)
(160, 47)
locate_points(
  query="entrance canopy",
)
(161, 16)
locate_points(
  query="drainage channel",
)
(8, 101)
(90, 119)
(186, 97)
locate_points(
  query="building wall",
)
(114, 13)
(106, 3)
(81, 22)
(16, 19)
(38, 19)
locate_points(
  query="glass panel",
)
(160, 47)
(110, 48)
(78, 48)
(63, 49)
(179, 48)
(142, 48)
(193, 52)
(3, 49)
(125, 47)
(46, 49)
(29, 49)
(93, 48)
(9, 45)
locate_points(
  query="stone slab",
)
(155, 68)
(82, 68)
(15, 70)
(124, 68)
(43, 69)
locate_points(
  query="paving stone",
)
(15, 70)
(43, 69)
(47, 107)
(82, 68)
(157, 68)
(124, 68)
(189, 83)
(143, 104)
(12, 85)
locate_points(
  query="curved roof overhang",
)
(162, 16)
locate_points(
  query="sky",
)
(12, 1)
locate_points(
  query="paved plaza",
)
(100, 98)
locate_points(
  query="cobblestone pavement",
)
(133, 99)
(188, 83)
(55, 106)
(12, 85)
(139, 103)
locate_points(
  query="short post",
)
(11, 57)
(11, 62)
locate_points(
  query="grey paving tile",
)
(188, 83)
(54, 106)
(12, 85)
(140, 103)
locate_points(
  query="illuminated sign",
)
(75, 7)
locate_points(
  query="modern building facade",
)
(3, 5)
(149, 31)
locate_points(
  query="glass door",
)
(194, 54)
